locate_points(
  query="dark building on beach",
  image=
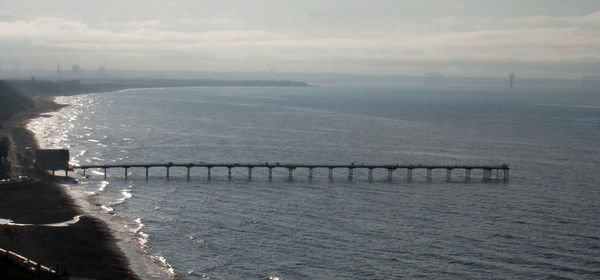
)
(4, 147)
(3, 154)
(52, 160)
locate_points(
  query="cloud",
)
(224, 38)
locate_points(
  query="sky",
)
(533, 38)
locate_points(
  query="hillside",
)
(12, 101)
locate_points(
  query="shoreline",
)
(88, 248)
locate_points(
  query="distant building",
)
(76, 71)
(52, 160)
(58, 69)
(512, 79)
(100, 72)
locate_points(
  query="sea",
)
(544, 223)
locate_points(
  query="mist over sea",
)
(543, 223)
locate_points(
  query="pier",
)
(490, 173)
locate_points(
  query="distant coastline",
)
(22, 100)
(70, 87)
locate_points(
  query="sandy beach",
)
(87, 249)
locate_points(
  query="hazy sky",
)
(535, 38)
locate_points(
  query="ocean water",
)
(543, 223)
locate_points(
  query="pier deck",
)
(487, 170)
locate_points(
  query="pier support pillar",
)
(249, 173)
(168, 167)
(310, 173)
(350, 173)
(270, 173)
(188, 173)
(370, 174)
(126, 172)
(228, 172)
(448, 174)
(208, 172)
(330, 174)
(84, 172)
(104, 173)
(505, 173)
(468, 175)
(429, 174)
(290, 173)
(409, 175)
(390, 172)
(487, 175)
(147, 172)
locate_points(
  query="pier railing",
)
(30, 264)
(501, 171)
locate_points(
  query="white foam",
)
(165, 264)
(138, 221)
(103, 185)
(126, 194)
(107, 209)
(65, 223)
(8, 222)
(97, 172)
(143, 239)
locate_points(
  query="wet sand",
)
(87, 249)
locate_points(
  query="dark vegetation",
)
(12, 101)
